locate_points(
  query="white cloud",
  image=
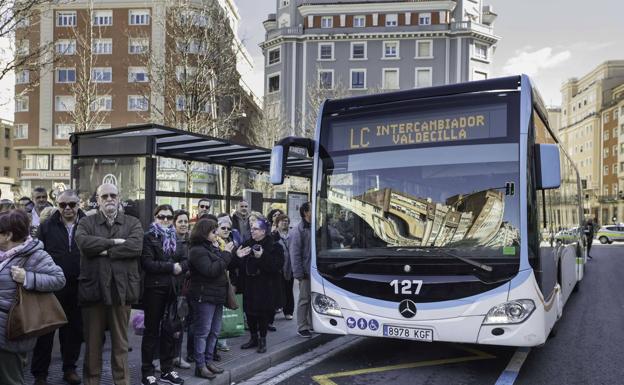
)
(531, 63)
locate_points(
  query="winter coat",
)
(241, 224)
(53, 234)
(119, 266)
(257, 276)
(208, 265)
(287, 266)
(158, 266)
(300, 248)
(42, 274)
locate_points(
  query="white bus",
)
(435, 213)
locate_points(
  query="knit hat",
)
(224, 220)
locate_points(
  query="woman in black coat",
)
(161, 264)
(209, 287)
(259, 259)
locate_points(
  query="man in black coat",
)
(57, 235)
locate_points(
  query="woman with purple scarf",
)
(161, 265)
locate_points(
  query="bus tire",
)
(604, 240)
(554, 330)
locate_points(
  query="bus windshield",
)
(460, 197)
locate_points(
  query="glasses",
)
(106, 196)
(71, 205)
(204, 206)
(226, 228)
(165, 217)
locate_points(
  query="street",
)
(586, 349)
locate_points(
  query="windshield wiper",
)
(467, 260)
(338, 265)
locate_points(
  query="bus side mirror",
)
(548, 170)
(278, 164)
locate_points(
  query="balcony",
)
(459, 26)
(288, 31)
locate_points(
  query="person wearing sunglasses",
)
(110, 244)
(161, 264)
(58, 235)
(259, 259)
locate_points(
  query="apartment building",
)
(358, 47)
(589, 121)
(120, 32)
(9, 167)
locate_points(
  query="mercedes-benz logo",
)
(407, 308)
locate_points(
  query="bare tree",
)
(90, 92)
(195, 82)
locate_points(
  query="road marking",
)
(509, 375)
(325, 379)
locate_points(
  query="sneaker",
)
(171, 378)
(181, 363)
(288, 316)
(279, 310)
(149, 380)
(222, 346)
(304, 333)
(72, 378)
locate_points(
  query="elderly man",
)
(110, 246)
(58, 237)
(40, 199)
(240, 220)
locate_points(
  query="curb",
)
(245, 368)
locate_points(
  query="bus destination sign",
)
(451, 125)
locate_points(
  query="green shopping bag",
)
(233, 321)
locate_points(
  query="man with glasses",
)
(110, 246)
(58, 237)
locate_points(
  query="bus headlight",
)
(323, 304)
(512, 312)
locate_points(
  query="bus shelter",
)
(153, 164)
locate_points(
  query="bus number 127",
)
(406, 286)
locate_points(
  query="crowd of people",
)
(182, 271)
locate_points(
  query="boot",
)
(203, 372)
(262, 345)
(252, 343)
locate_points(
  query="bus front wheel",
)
(603, 240)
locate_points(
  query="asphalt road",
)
(588, 348)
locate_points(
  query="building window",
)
(606, 170)
(390, 78)
(102, 18)
(605, 153)
(614, 132)
(424, 49)
(64, 103)
(22, 77)
(358, 51)
(615, 169)
(606, 135)
(478, 75)
(184, 73)
(274, 55)
(65, 75)
(326, 79)
(102, 46)
(423, 77)
(180, 103)
(392, 20)
(36, 162)
(605, 117)
(327, 22)
(481, 51)
(424, 18)
(102, 75)
(359, 21)
(274, 83)
(21, 104)
(137, 75)
(326, 51)
(139, 17)
(61, 162)
(7, 171)
(21, 131)
(63, 131)
(22, 47)
(138, 103)
(7, 152)
(391, 50)
(7, 133)
(102, 103)
(66, 18)
(284, 3)
(358, 79)
(138, 46)
(65, 47)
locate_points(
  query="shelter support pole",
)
(228, 188)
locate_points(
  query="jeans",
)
(207, 326)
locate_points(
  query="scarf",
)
(4, 255)
(167, 235)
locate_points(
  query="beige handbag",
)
(230, 300)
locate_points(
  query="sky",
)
(550, 40)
